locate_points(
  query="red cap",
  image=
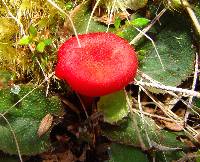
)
(104, 63)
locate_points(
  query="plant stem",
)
(194, 19)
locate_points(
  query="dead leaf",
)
(45, 125)
(173, 126)
(111, 20)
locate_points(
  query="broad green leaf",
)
(24, 119)
(25, 40)
(113, 106)
(80, 17)
(169, 155)
(174, 46)
(40, 47)
(126, 133)
(127, 32)
(164, 142)
(123, 153)
(26, 134)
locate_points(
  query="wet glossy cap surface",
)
(104, 63)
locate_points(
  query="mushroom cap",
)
(104, 63)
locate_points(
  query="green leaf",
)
(69, 6)
(132, 130)
(47, 42)
(127, 32)
(26, 133)
(24, 119)
(169, 155)
(25, 40)
(40, 47)
(117, 23)
(127, 133)
(32, 30)
(140, 22)
(113, 106)
(123, 153)
(197, 102)
(174, 46)
(7, 158)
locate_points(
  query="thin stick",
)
(62, 11)
(46, 79)
(146, 29)
(122, 7)
(142, 116)
(45, 76)
(70, 105)
(194, 19)
(110, 16)
(195, 77)
(170, 88)
(193, 88)
(145, 76)
(82, 104)
(142, 144)
(190, 129)
(156, 50)
(14, 136)
(137, 129)
(95, 6)
(155, 116)
(13, 17)
(170, 114)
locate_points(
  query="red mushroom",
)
(105, 63)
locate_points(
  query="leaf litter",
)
(75, 131)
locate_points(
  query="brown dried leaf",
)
(45, 125)
(173, 126)
(111, 20)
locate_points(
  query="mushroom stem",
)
(87, 101)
